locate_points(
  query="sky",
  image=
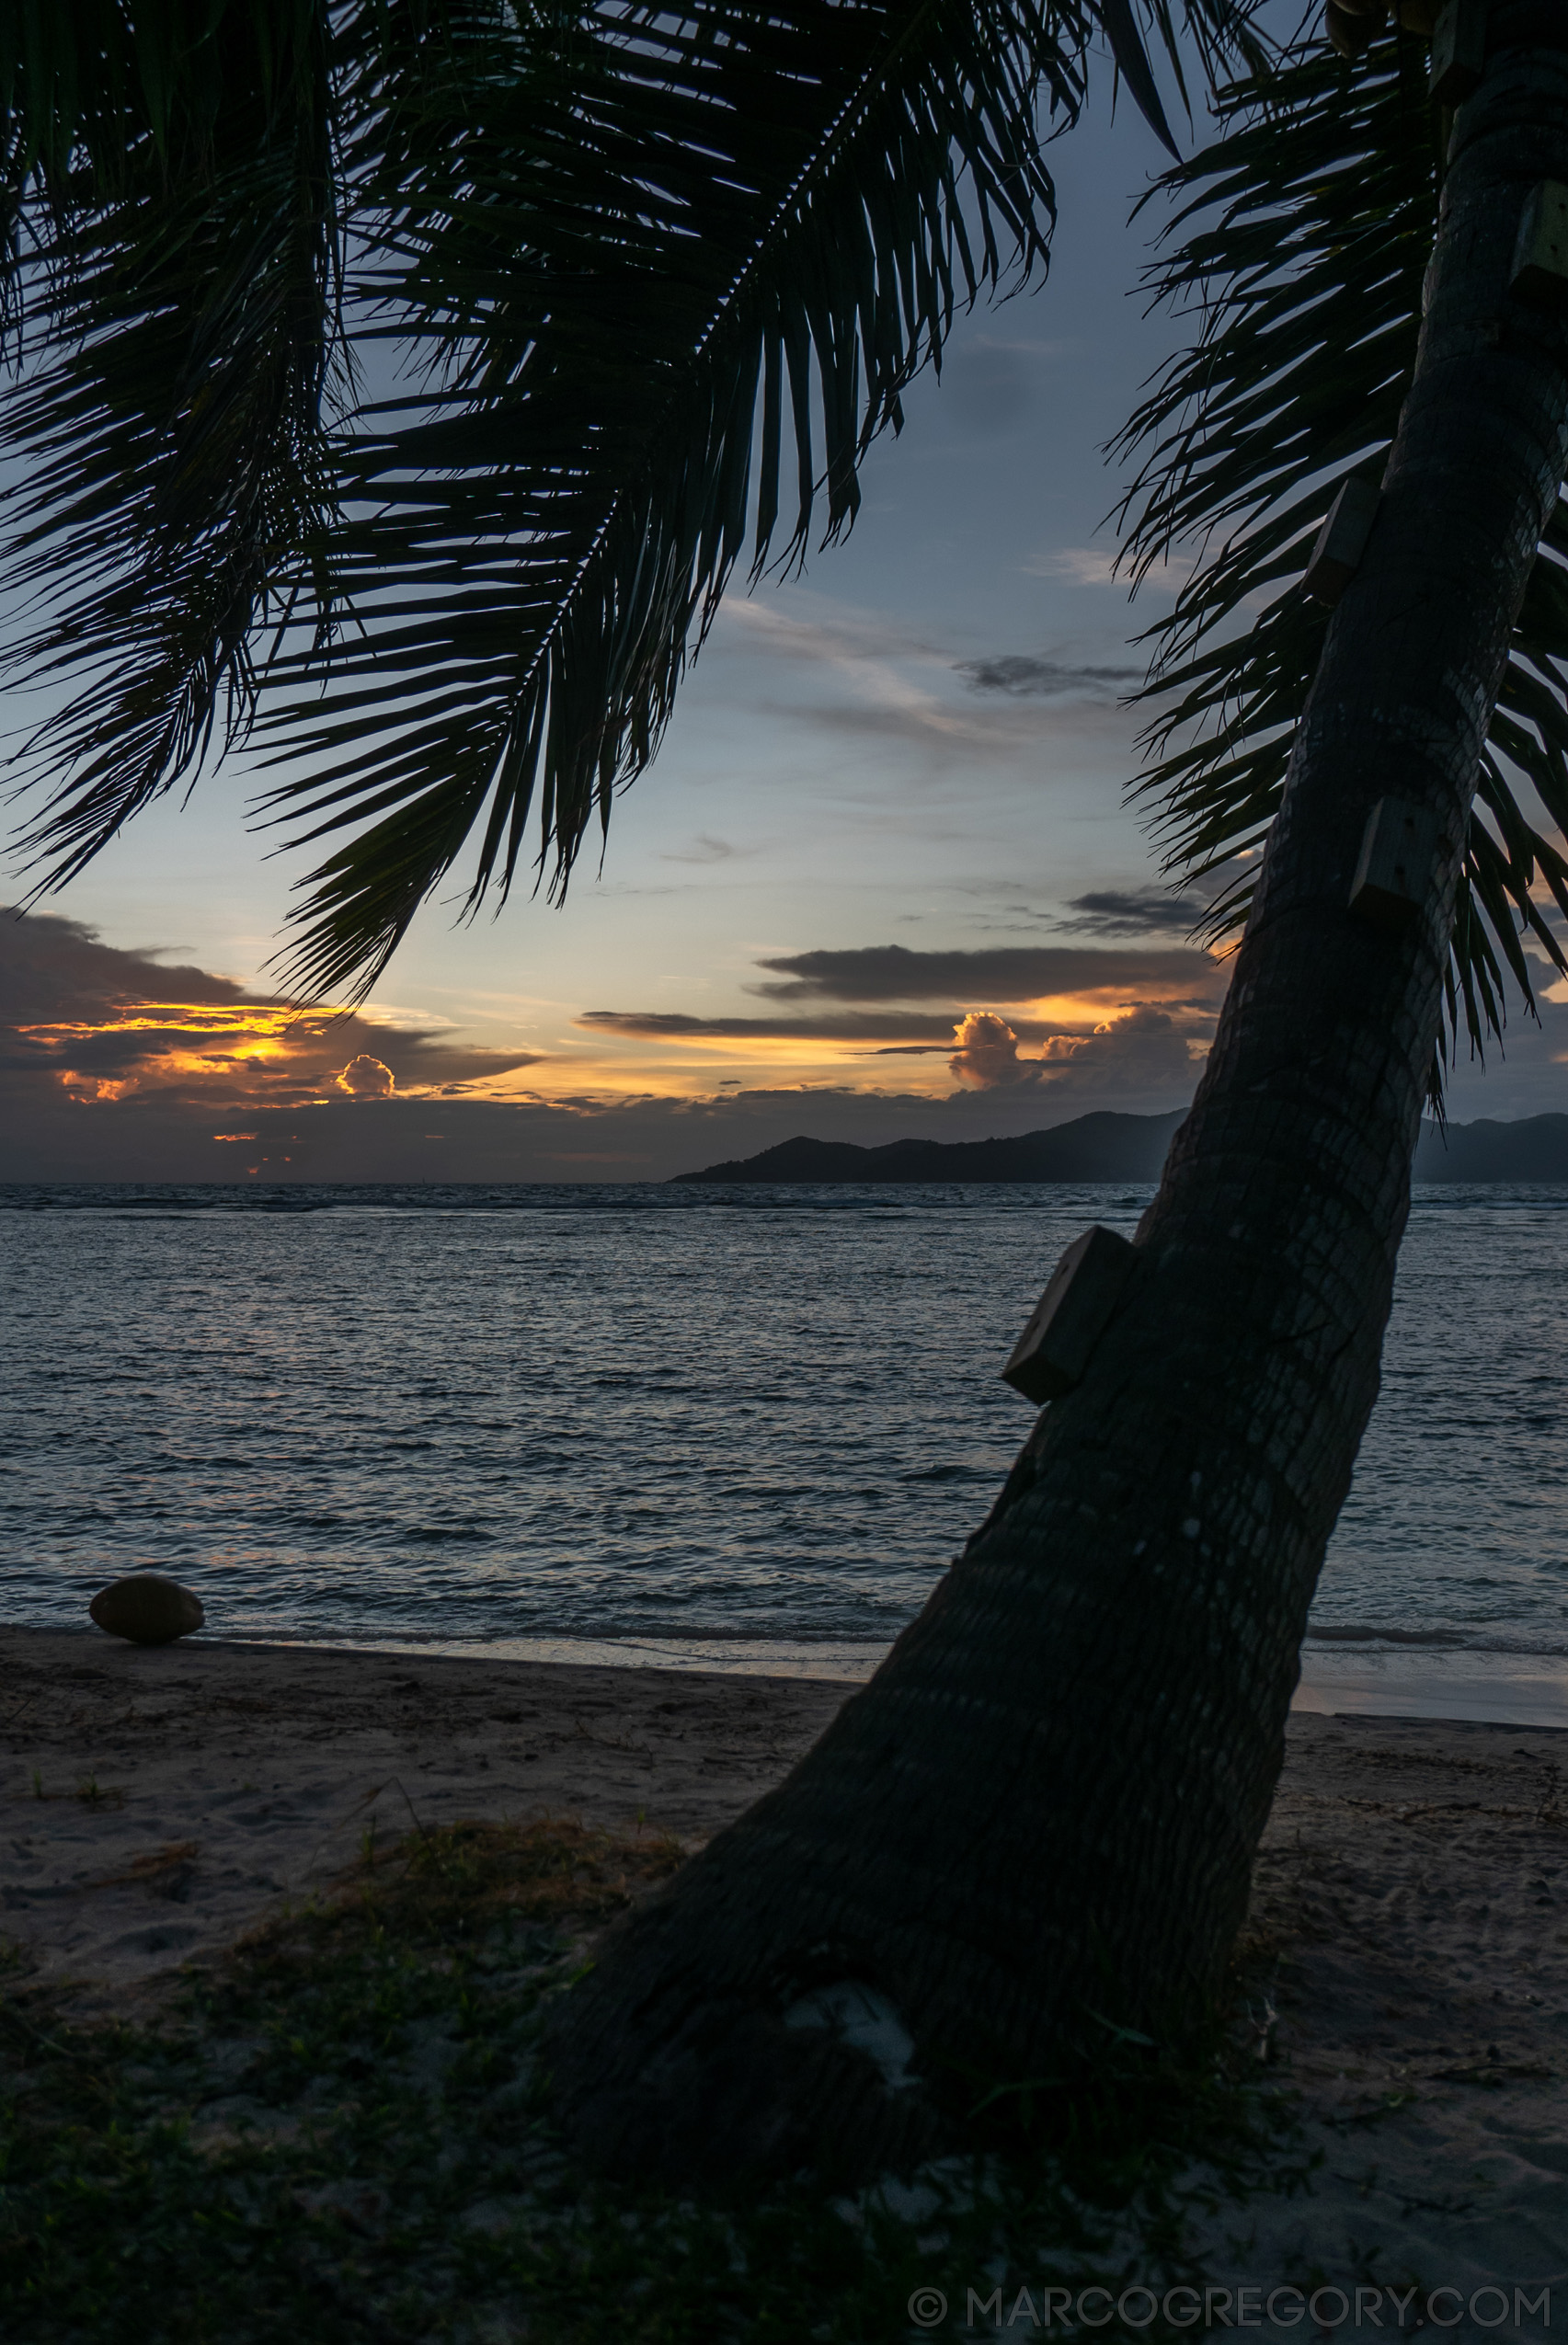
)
(881, 881)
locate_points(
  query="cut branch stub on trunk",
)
(1341, 541)
(1459, 51)
(1040, 1815)
(1055, 1349)
(1353, 25)
(1399, 854)
(1540, 256)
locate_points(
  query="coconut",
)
(147, 1608)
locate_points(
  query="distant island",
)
(1104, 1146)
(1091, 1148)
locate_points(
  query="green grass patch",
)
(337, 2136)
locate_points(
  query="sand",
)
(1407, 1954)
(1410, 1927)
(159, 1799)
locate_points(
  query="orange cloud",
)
(106, 1026)
(164, 1041)
(366, 1077)
(985, 1052)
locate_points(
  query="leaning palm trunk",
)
(1041, 1813)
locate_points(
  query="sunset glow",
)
(194, 1040)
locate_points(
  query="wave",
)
(1456, 1641)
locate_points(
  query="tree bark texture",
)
(1045, 1805)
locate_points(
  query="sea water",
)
(746, 1424)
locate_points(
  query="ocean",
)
(745, 1426)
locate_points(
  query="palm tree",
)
(619, 245)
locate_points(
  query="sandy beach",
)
(159, 1799)
(1406, 1960)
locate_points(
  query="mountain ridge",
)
(1104, 1146)
(1132, 1147)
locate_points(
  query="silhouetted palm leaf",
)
(1306, 231)
(172, 285)
(614, 271)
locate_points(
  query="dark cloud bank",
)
(117, 1066)
(1045, 678)
(1002, 973)
(1135, 911)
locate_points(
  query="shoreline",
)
(1340, 1678)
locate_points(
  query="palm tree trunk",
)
(1046, 1804)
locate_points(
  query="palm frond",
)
(1305, 233)
(604, 273)
(614, 272)
(88, 86)
(175, 480)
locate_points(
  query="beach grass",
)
(337, 2134)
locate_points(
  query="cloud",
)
(1135, 911)
(840, 635)
(96, 1025)
(706, 850)
(156, 1136)
(388, 1013)
(947, 730)
(366, 1077)
(1095, 566)
(1049, 678)
(1069, 990)
(985, 1056)
(1005, 973)
(1143, 1052)
(886, 684)
(674, 1026)
(117, 1066)
(1084, 564)
(1161, 1008)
